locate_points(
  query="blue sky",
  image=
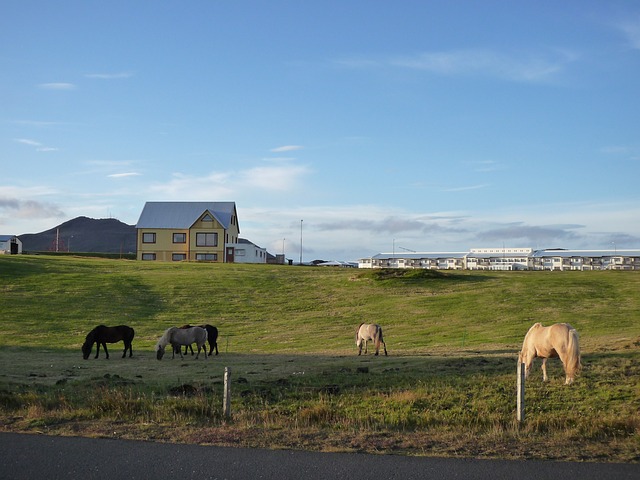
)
(423, 125)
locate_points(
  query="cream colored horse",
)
(178, 337)
(369, 332)
(558, 340)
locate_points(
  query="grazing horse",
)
(369, 332)
(558, 340)
(182, 336)
(212, 338)
(101, 335)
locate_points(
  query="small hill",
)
(83, 234)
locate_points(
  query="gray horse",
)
(370, 332)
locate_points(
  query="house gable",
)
(208, 220)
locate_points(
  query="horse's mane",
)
(165, 339)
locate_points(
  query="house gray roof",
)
(182, 215)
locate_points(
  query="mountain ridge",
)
(84, 234)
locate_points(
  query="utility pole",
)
(300, 242)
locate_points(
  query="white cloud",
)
(108, 163)
(286, 148)
(57, 86)
(8, 191)
(124, 175)
(232, 184)
(485, 62)
(631, 29)
(36, 123)
(524, 67)
(34, 143)
(27, 141)
(485, 166)
(274, 178)
(615, 150)
(193, 188)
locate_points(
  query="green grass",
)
(447, 388)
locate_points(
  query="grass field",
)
(287, 333)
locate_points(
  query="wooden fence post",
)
(226, 402)
(520, 412)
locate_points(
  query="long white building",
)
(509, 259)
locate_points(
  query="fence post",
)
(226, 402)
(520, 412)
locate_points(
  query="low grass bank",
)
(287, 333)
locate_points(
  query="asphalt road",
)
(39, 456)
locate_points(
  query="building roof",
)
(183, 215)
(561, 253)
(244, 241)
(499, 255)
(586, 253)
(7, 238)
(419, 255)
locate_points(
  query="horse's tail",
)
(573, 353)
(379, 338)
(212, 333)
(358, 331)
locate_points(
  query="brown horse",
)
(212, 338)
(558, 340)
(101, 335)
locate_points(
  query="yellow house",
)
(186, 231)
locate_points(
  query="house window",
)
(206, 239)
(240, 252)
(206, 257)
(148, 238)
(179, 238)
(179, 257)
(148, 256)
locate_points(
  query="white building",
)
(10, 245)
(436, 260)
(498, 258)
(509, 258)
(560, 259)
(245, 251)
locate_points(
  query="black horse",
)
(101, 335)
(212, 337)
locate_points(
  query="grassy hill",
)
(280, 309)
(447, 387)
